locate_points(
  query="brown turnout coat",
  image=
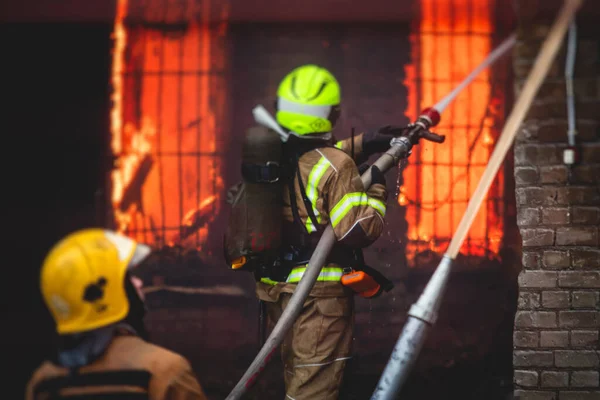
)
(171, 375)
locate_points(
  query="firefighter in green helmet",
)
(323, 188)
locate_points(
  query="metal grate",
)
(168, 147)
(453, 38)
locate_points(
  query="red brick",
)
(531, 259)
(585, 215)
(579, 279)
(556, 259)
(576, 358)
(555, 216)
(577, 236)
(529, 300)
(555, 299)
(537, 279)
(549, 154)
(579, 319)
(555, 130)
(558, 109)
(526, 154)
(554, 339)
(590, 153)
(585, 299)
(526, 378)
(586, 173)
(570, 195)
(524, 59)
(534, 395)
(526, 358)
(528, 216)
(526, 339)
(554, 174)
(579, 395)
(584, 338)
(532, 196)
(537, 237)
(586, 88)
(526, 176)
(555, 379)
(585, 379)
(535, 319)
(585, 259)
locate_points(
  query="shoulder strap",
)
(307, 203)
(137, 378)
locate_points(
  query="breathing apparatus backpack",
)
(253, 236)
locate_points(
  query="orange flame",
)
(453, 38)
(163, 126)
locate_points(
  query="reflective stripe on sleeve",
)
(354, 200)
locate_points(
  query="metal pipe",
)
(424, 313)
(421, 316)
(569, 68)
(570, 153)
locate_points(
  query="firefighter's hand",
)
(379, 141)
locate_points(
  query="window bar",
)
(200, 118)
(451, 133)
(418, 180)
(161, 64)
(180, 131)
(469, 101)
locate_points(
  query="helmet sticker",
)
(94, 292)
(60, 306)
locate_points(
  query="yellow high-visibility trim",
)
(269, 281)
(353, 200)
(327, 274)
(312, 192)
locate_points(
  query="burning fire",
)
(166, 181)
(453, 38)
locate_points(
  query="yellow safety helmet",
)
(83, 279)
(308, 101)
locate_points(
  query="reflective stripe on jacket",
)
(337, 195)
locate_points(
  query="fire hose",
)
(423, 313)
(400, 148)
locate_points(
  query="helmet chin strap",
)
(314, 136)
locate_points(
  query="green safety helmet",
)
(308, 101)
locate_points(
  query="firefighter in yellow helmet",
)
(98, 308)
(324, 188)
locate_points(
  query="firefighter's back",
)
(130, 368)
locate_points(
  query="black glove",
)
(379, 141)
(377, 176)
(362, 168)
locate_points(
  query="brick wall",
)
(558, 212)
